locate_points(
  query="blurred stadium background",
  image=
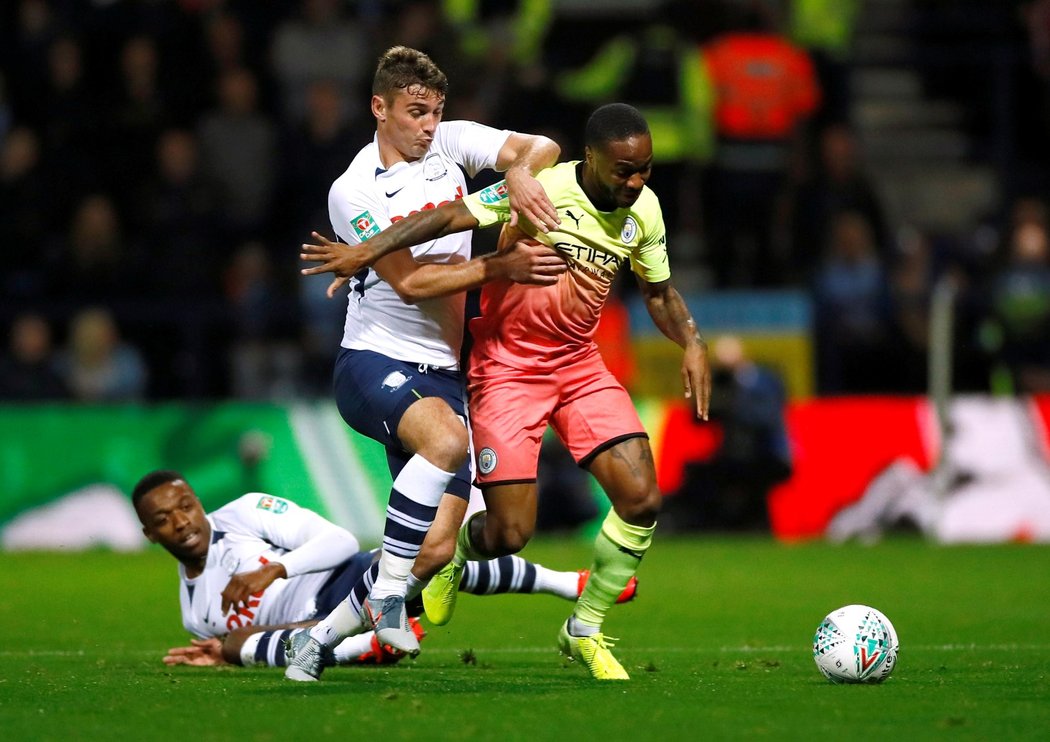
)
(827, 168)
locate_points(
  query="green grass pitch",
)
(717, 643)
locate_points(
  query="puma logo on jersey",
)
(576, 219)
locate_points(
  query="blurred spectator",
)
(238, 148)
(765, 90)
(728, 491)
(314, 153)
(27, 370)
(96, 365)
(224, 38)
(839, 184)
(136, 116)
(498, 47)
(424, 25)
(6, 116)
(23, 215)
(264, 365)
(23, 52)
(1035, 15)
(825, 29)
(176, 215)
(657, 65)
(95, 261)
(851, 295)
(68, 119)
(912, 281)
(1020, 308)
(508, 31)
(319, 44)
(233, 36)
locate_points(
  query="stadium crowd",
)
(161, 161)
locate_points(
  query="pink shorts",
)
(510, 410)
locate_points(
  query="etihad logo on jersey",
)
(494, 193)
(274, 504)
(594, 261)
(429, 205)
(364, 225)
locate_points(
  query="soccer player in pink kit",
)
(397, 377)
(534, 362)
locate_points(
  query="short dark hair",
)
(614, 122)
(401, 67)
(151, 481)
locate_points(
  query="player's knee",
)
(512, 538)
(449, 450)
(641, 507)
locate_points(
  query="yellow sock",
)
(465, 550)
(618, 550)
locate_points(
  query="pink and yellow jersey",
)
(539, 327)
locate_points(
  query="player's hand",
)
(529, 261)
(334, 257)
(243, 586)
(201, 653)
(696, 377)
(528, 199)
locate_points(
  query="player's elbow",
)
(551, 150)
(409, 294)
(349, 543)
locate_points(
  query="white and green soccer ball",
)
(855, 644)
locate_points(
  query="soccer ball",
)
(855, 644)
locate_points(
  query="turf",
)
(717, 643)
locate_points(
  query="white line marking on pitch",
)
(779, 649)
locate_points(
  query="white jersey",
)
(368, 198)
(246, 534)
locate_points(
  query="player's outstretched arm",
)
(215, 651)
(345, 261)
(524, 261)
(522, 156)
(671, 315)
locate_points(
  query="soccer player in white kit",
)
(255, 571)
(397, 373)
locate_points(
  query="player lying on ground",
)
(534, 362)
(260, 568)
